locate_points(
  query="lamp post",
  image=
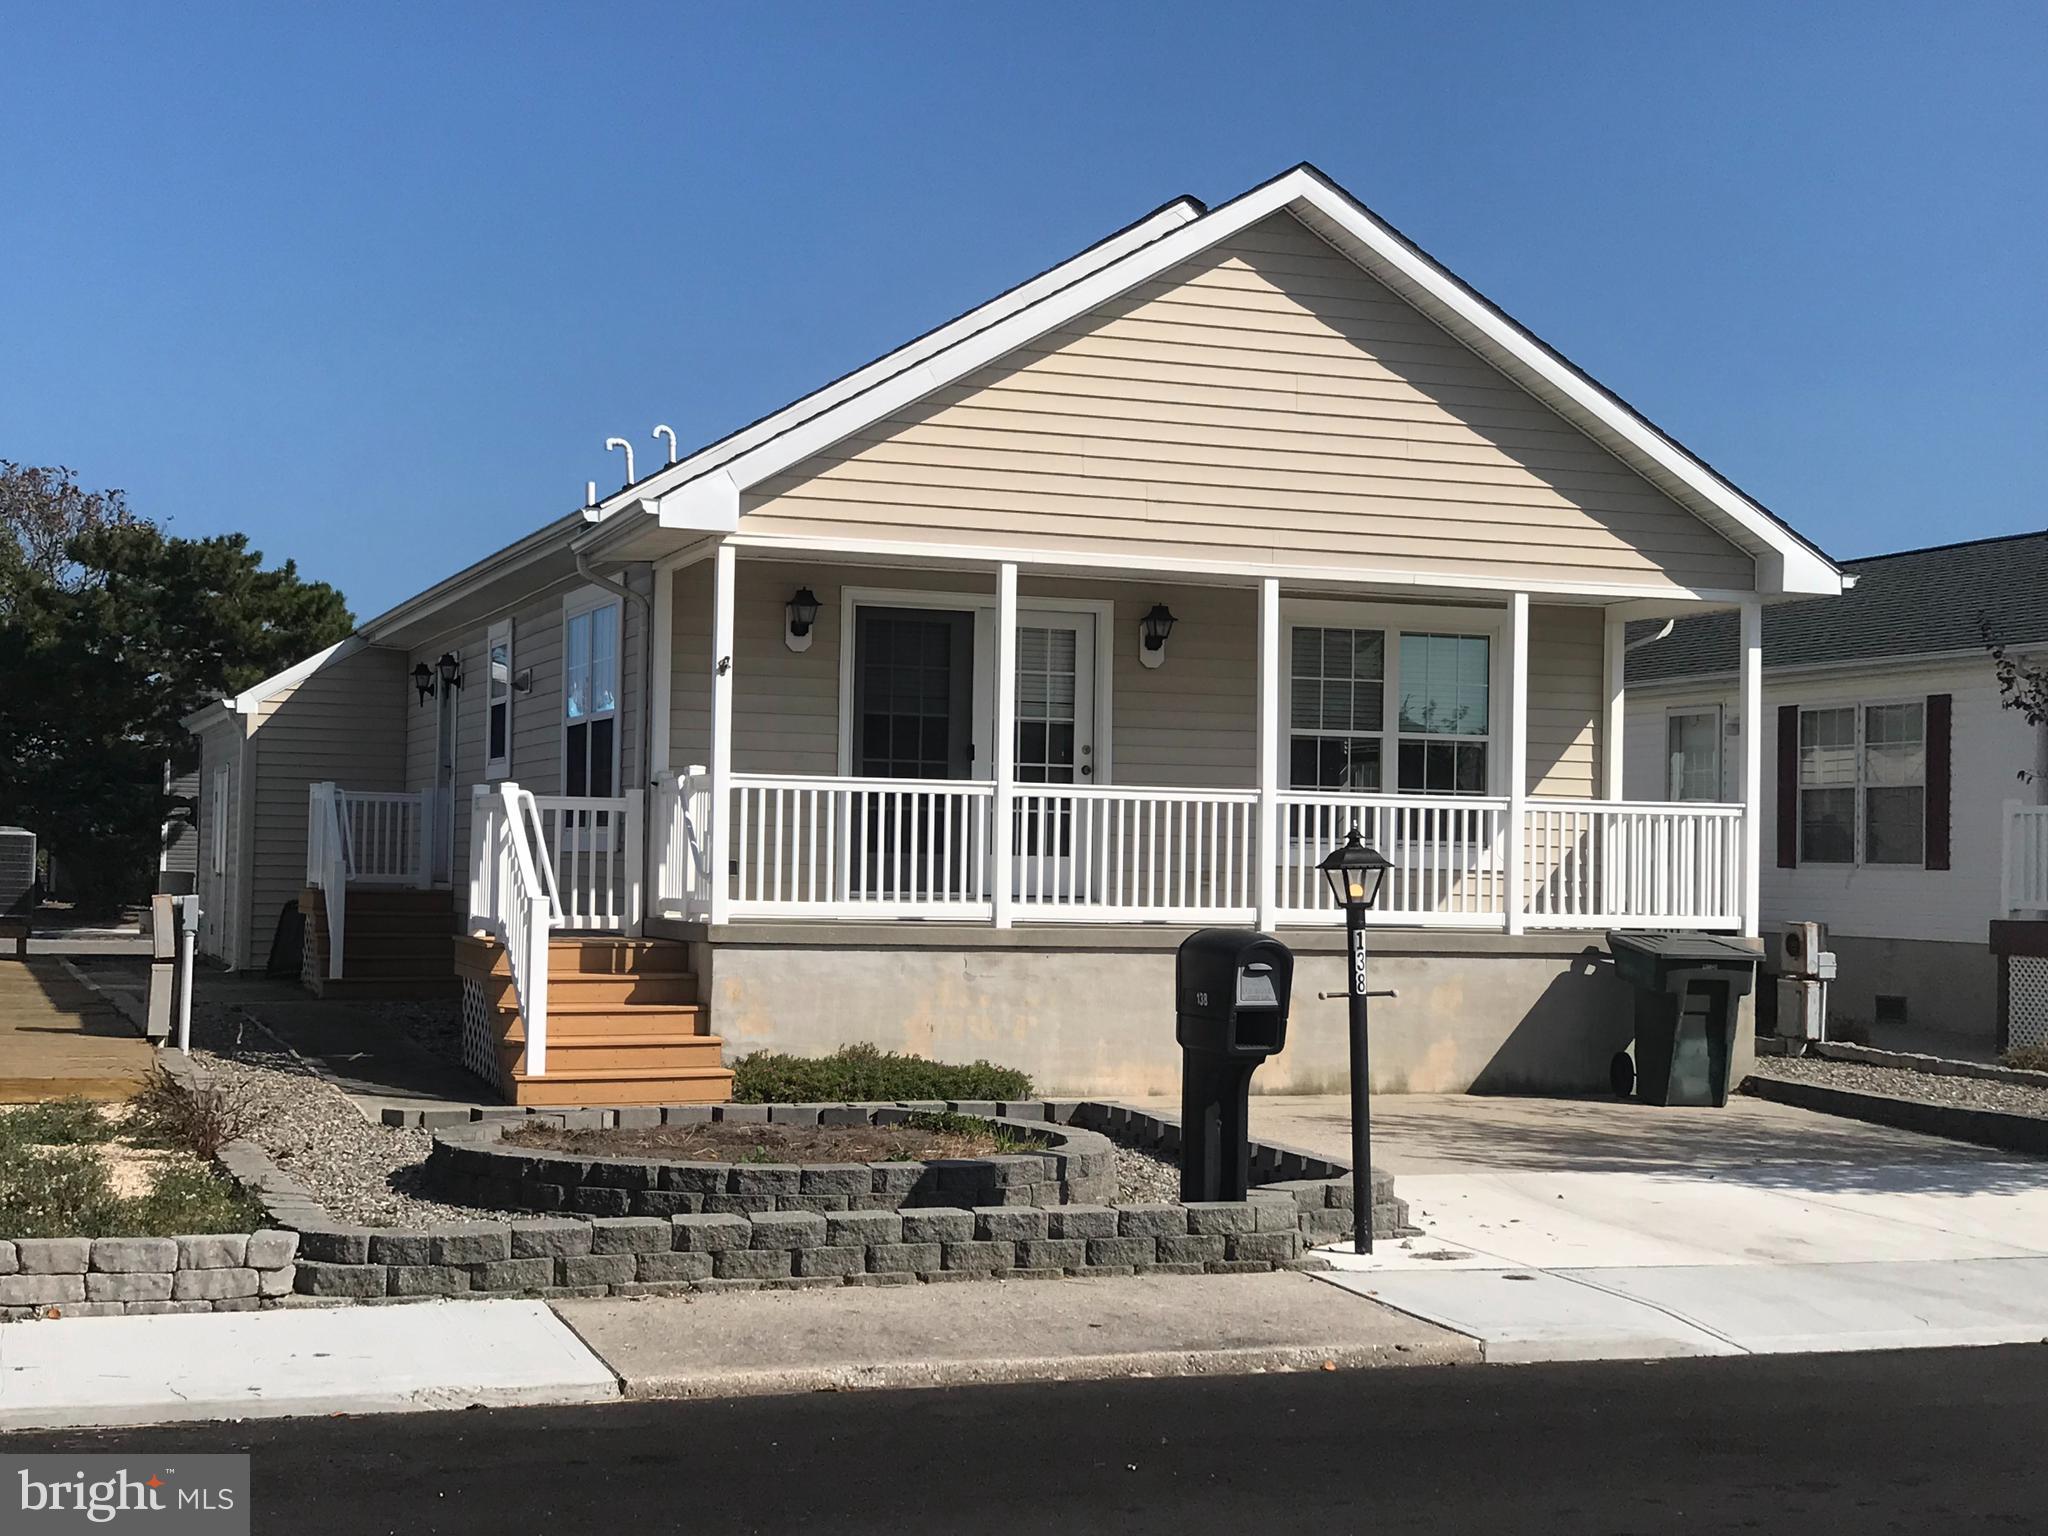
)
(1354, 873)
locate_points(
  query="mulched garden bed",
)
(721, 1143)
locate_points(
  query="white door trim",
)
(983, 606)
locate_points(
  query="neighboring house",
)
(936, 707)
(1883, 725)
(177, 860)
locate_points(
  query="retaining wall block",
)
(531, 1274)
(129, 1255)
(410, 1249)
(904, 1258)
(1158, 1220)
(632, 1234)
(789, 1229)
(1192, 1250)
(316, 1277)
(837, 1179)
(1134, 1252)
(1060, 1253)
(1009, 1223)
(54, 1256)
(478, 1242)
(428, 1280)
(938, 1224)
(710, 1233)
(980, 1257)
(596, 1268)
(1085, 1221)
(214, 1284)
(862, 1229)
(697, 1178)
(655, 1268)
(831, 1261)
(549, 1238)
(1272, 1247)
(9, 1263)
(1220, 1217)
(751, 1263)
(272, 1248)
(769, 1179)
(127, 1285)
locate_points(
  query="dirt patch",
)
(722, 1143)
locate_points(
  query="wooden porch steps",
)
(396, 944)
(625, 1025)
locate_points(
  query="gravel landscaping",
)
(1902, 1083)
(1145, 1176)
(362, 1173)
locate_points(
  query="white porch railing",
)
(1115, 854)
(512, 897)
(363, 837)
(327, 867)
(1448, 854)
(2025, 844)
(822, 848)
(1609, 864)
(591, 846)
(679, 844)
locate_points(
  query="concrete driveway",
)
(1591, 1228)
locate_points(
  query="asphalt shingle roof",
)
(1915, 603)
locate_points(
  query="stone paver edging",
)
(1983, 1127)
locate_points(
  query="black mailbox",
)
(1231, 987)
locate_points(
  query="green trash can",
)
(1688, 990)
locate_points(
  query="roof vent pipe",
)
(590, 493)
(619, 442)
(670, 433)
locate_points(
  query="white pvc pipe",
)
(187, 935)
(669, 432)
(620, 442)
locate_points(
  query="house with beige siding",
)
(935, 708)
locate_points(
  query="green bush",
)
(64, 1192)
(58, 1123)
(861, 1072)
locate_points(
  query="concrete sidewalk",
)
(919, 1335)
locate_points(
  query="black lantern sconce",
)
(1153, 630)
(803, 618)
(423, 680)
(450, 670)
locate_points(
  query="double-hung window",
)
(590, 699)
(1368, 705)
(498, 701)
(1863, 784)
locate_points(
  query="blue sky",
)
(374, 282)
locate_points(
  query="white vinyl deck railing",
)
(513, 898)
(822, 848)
(2026, 857)
(591, 845)
(363, 837)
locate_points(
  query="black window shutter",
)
(1788, 786)
(1940, 709)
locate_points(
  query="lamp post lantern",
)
(1354, 873)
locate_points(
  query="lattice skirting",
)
(2027, 999)
(479, 1045)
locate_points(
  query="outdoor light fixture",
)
(803, 616)
(450, 670)
(1153, 630)
(1354, 873)
(423, 680)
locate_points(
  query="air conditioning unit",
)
(17, 865)
(1802, 950)
(1802, 1008)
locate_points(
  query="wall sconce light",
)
(423, 680)
(1153, 630)
(522, 680)
(803, 618)
(450, 670)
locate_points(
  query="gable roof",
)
(702, 492)
(1919, 602)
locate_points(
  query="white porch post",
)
(721, 733)
(1002, 874)
(1518, 759)
(1753, 766)
(660, 657)
(1267, 844)
(1614, 672)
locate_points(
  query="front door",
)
(913, 693)
(1055, 744)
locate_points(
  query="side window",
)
(1337, 733)
(1827, 786)
(590, 701)
(1894, 784)
(1693, 751)
(498, 701)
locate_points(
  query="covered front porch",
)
(1010, 757)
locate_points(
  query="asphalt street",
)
(1910, 1441)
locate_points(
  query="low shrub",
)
(200, 1119)
(65, 1192)
(2033, 1058)
(862, 1072)
(58, 1123)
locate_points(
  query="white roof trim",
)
(1175, 215)
(250, 699)
(1786, 563)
